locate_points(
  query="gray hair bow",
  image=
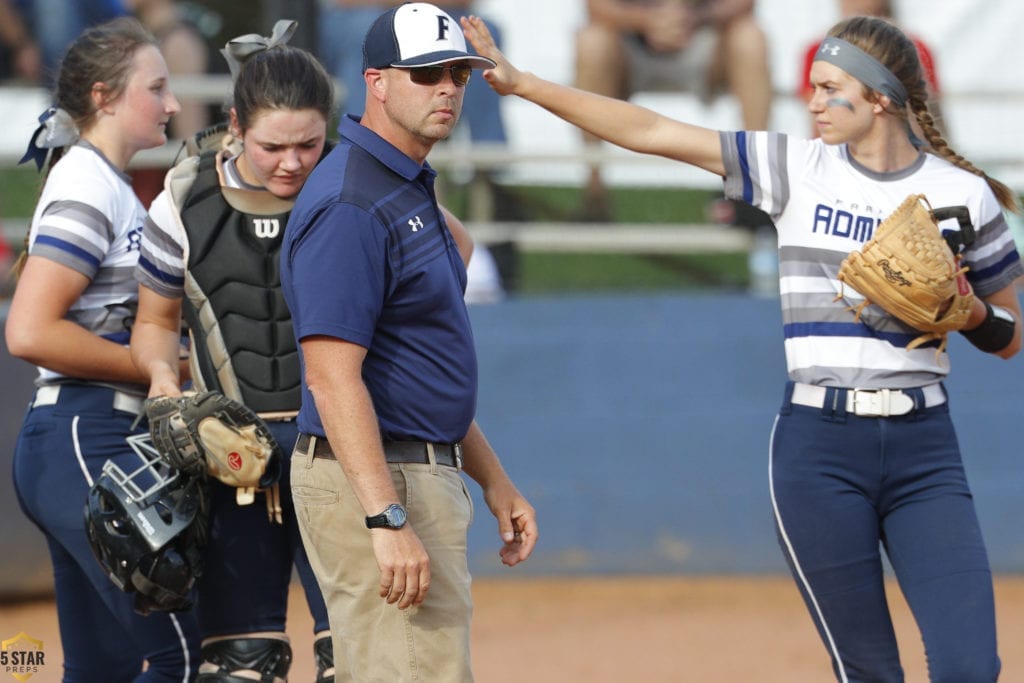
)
(237, 50)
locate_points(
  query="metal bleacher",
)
(562, 161)
(24, 104)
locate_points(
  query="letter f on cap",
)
(443, 26)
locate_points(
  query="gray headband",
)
(863, 67)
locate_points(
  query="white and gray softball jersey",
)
(162, 261)
(825, 205)
(89, 219)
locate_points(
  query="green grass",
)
(541, 273)
(19, 189)
(628, 205)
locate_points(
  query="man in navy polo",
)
(375, 285)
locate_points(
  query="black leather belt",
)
(445, 454)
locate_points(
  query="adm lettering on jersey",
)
(822, 210)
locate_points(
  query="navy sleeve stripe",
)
(996, 268)
(68, 247)
(157, 274)
(748, 186)
(119, 337)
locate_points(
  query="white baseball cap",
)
(417, 34)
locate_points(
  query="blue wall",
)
(638, 427)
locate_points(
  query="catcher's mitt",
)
(909, 269)
(213, 434)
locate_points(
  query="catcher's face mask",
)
(145, 529)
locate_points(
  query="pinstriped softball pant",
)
(844, 488)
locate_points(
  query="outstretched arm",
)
(619, 122)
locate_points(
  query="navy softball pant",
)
(248, 561)
(842, 488)
(60, 451)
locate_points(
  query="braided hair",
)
(889, 45)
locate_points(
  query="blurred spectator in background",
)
(344, 23)
(878, 8)
(483, 277)
(699, 46)
(187, 53)
(20, 57)
(56, 23)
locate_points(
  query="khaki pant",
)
(374, 641)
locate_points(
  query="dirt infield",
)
(646, 629)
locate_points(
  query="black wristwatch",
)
(393, 517)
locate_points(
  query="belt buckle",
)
(881, 403)
(457, 452)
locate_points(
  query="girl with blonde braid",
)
(863, 455)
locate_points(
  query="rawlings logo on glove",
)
(209, 433)
(910, 270)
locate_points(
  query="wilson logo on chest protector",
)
(266, 228)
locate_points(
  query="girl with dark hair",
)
(863, 454)
(209, 253)
(71, 315)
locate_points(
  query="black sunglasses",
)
(432, 75)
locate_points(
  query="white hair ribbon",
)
(56, 129)
(238, 49)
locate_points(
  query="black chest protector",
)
(243, 344)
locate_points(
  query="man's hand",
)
(404, 566)
(517, 523)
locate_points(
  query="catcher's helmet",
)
(147, 529)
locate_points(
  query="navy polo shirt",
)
(368, 258)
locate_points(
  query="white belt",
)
(870, 402)
(49, 394)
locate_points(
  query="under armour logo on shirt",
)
(415, 223)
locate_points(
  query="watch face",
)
(395, 516)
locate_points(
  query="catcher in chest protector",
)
(209, 257)
(863, 453)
